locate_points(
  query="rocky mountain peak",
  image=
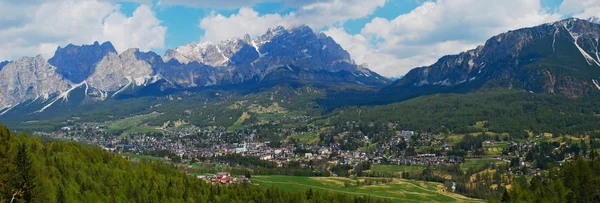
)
(114, 71)
(76, 63)
(298, 43)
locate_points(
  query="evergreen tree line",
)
(576, 181)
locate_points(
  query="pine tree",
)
(61, 195)
(24, 174)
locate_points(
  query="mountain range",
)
(298, 53)
(559, 58)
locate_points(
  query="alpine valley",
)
(289, 116)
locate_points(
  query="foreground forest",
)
(36, 171)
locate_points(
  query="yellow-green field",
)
(306, 138)
(400, 190)
(397, 168)
(135, 124)
(477, 163)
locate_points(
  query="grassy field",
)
(476, 163)
(495, 149)
(306, 138)
(399, 190)
(139, 157)
(135, 124)
(397, 168)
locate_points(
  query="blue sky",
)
(391, 36)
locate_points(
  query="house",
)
(221, 175)
(226, 180)
(407, 134)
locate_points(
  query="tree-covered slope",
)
(502, 111)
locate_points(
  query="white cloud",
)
(58, 23)
(231, 4)
(218, 27)
(141, 30)
(336, 11)
(580, 8)
(316, 15)
(227, 4)
(391, 63)
(577, 6)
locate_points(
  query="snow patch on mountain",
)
(64, 96)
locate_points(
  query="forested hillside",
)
(35, 171)
(501, 111)
(577, 181)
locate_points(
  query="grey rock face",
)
(234, 51)
(2, 64)
(29, 78)
(277, 44)
(77, 63)
(302, 43)
(116, 71)
(239, 60)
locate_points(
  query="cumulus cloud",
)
(141, 30)
(231, 4)
(247, 21)
(58, 23)
(316, 15)
(388, 62)
(580, 8)
(211, 3)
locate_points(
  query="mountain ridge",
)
(557, 58)
(106, 73)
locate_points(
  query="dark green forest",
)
(502, 111)
(576, 181)
(36, 171)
